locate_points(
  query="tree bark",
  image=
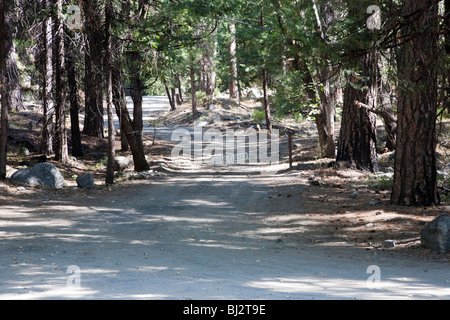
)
(193, 88)
(109, 100)
(233, 63)
(120, 103)
(266, 87)
(415, 173)
(325, 86)
(357, 139)
(61, 152)
(4, 35)
(136, 93)
(180, 91)
(171, 96)
(77, 150)
(127, 126)
(11, 71)
(94, 123)
(47, 135)
(266, 100)
(208, 62)
(390, 123)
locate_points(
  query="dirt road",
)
(193, 237)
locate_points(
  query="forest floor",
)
(207, 232)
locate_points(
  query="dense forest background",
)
(315, 59)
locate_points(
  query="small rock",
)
(24, 151)
(378, 213)
(436, 235)
(86, 181)
(369, 225)
(389, 243)
(372, 203)
(201, 124)
(216, 118)
(122, 163)
(354, 194)
(313, 181)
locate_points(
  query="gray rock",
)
(201, 124)
(45, 174)
(389, 243)
(86, 181)
(216, 118)
(24, 151)
(228, 102)
(313, 181)
(122, 163)
(436, 235)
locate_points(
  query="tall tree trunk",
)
(127, 126)
(208, 72)
(46, 145)
(4, 35)
(211, 74)
(109, 100)
(325, 86)
(94, 123)
(171, 96)
(265, 82)
(61, 152)
(266, 100)
(415, 173)
(193, 88)
(136, 92)
(233, 63)
(180, 91)
(77, 150)
(357, 139)
(389, 125)
(120, 103)
(11, 72)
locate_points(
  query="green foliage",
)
(202, 99)
(259, 116)
(380, 182)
